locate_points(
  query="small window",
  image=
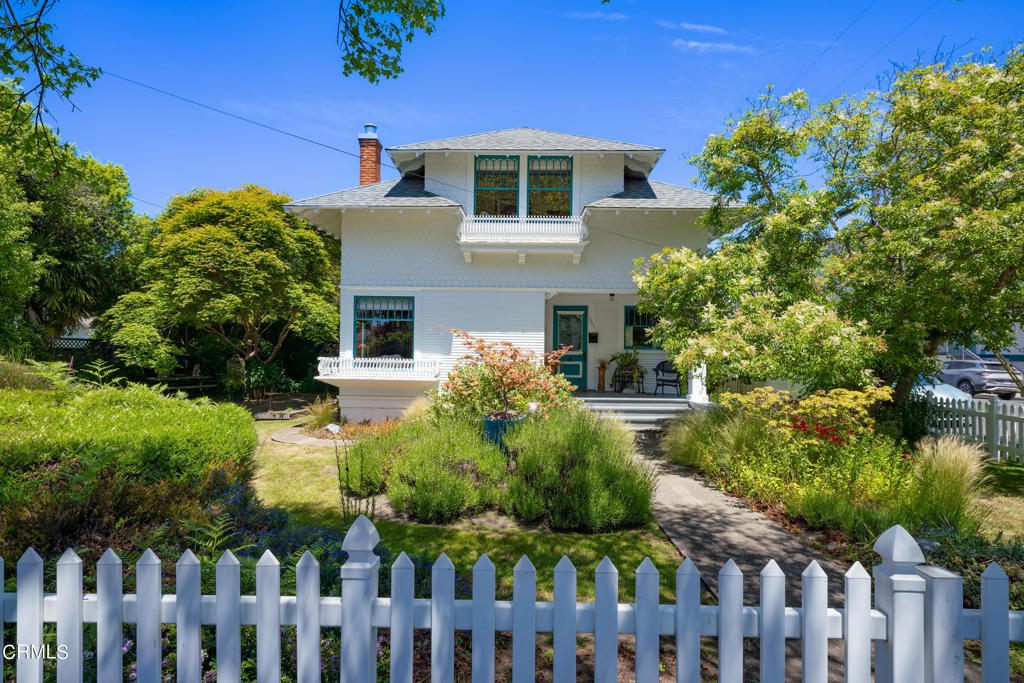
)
(549, 186)
(496, 190)
(637, 333)
(383, 326)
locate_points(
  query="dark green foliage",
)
(577, 471)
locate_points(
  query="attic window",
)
(549, 186)
(496, 190)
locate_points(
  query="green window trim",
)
(635, 319)
(549, 174)
(494, 172)
(382, 310)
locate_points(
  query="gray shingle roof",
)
(650, 194)
(405, 192)
(525, 139)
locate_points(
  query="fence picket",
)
(730, 624)
(995, 625)
(814, 622)
(307, 619)
(229, 619)
(687, 623)
(772, 624)
(647, 626)
(147, 618)
(188, 600)
(442, 620)
(857, 625)
(606, 622)
(403, 583)
(109, 618)
(524, 621)
(69, 616)
(564, 636)
(943, 635)
(30, 617)
(268, 619)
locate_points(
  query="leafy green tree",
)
(18, 266)
(234, 265)
(889, 223)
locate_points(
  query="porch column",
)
(696, 389)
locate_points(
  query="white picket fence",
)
(996, 425)
(917, 624)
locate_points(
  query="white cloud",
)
(606, 16)
(684, 26)
(698, 46)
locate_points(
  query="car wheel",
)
(965, 386)
(1007, 397)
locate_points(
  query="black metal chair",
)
(665, 375)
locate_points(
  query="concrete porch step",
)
(638, 412)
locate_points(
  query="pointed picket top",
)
(228, 559)
(898, 549)
(360, 540)
(31, 557)
(772, 569)
(857, 571)
(730, 568)
(403, 561)
(109, 557)
(307, 560)
(483, 564)
(687, 568)
(267, 559)
(647, 567)
(148, 558)
(814, 571)
(565, 566)
(443, 563)
(69, 557)
(187, 559)
(994, 572)
(523, 565)
(606, 567)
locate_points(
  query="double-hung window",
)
(496, 187)
(549, 186)
(383, 326)
(637, 331)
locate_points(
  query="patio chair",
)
(665, 375)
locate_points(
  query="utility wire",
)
(830, 45)
(313, 142)
(885, 45)
(145, 201)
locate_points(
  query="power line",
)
(145, 201)
(830, 45)
(885, 45)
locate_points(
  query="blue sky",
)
(659, 73)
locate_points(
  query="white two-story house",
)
(522, 234)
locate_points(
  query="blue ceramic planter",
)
(495, 428)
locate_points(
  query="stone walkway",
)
(294, 435)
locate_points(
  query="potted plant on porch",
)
(501, 380)
(629, 373)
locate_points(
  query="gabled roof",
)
(524, 139)
(649, 194)
(405, 192)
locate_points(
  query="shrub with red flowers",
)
(499, 379)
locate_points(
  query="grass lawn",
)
(1006, 503)
(302, 479)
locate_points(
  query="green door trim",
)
(581, 381)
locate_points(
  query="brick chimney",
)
(369, 155)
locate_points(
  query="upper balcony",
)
(522, 235)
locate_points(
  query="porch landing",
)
(639, 412)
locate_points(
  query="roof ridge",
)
(504, 131)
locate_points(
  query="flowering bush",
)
(499, 379)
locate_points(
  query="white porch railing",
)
(523, 229)
(378, 368)
(917, 622)
(997, 426)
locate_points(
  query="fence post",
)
(358, 591)
(899, 593)
(992, 429)
(943, 631)
(30, 618)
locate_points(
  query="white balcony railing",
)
(378, 368)
(523, 230)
